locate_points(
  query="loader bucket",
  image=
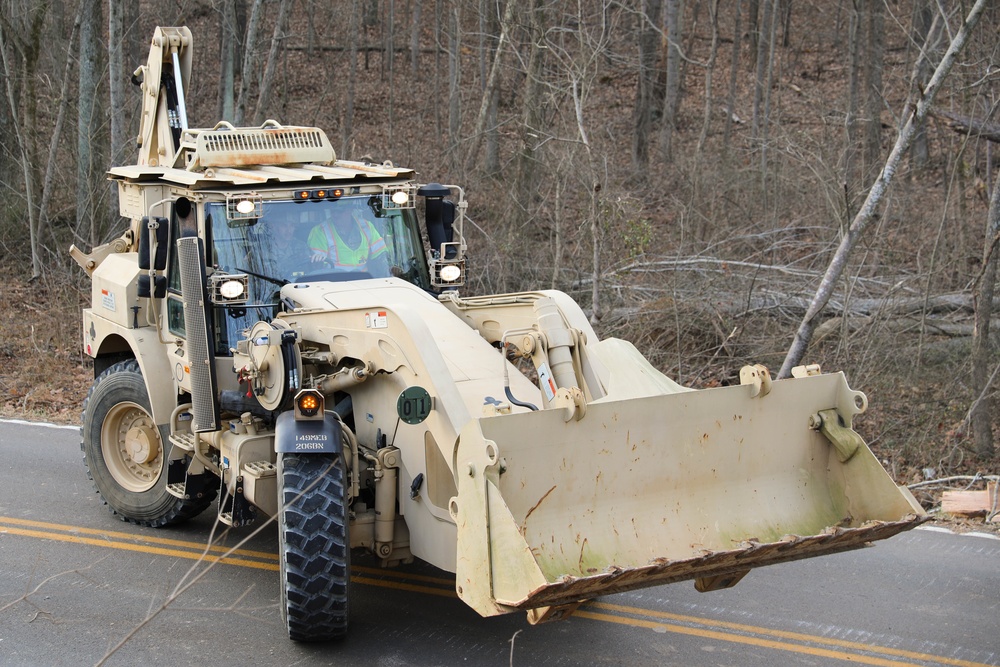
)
(701, 485)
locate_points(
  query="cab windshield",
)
(345, 239)
(351, 238)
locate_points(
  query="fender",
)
(298, 436)
(101, 335)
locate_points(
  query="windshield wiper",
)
(280, 282)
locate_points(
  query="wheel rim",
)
(130, 443)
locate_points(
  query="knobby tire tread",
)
(172, 513)
(315, 549)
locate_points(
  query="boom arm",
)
(164, 79)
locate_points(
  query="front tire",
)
(313, 545)
(127, 454)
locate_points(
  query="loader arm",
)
(164, 80)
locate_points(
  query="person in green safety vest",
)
(348, 242)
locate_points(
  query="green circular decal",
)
(413, 405)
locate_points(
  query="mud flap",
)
(702, 485)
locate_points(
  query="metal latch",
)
(845, 440)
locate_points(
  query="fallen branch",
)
(968, 125)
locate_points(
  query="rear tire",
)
(127, 454)
(313, 546)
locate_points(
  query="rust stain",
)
(524, 524)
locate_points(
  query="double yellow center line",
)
(658, 621)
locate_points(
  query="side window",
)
(175, 316)
(175, 307)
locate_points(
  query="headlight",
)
(399, 197)
(231, 289)
(245, 206)
(450, 272)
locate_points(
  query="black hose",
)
(521, 404)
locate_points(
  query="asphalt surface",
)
(77, 583)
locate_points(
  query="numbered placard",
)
(413, 405)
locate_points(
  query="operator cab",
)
(277, 241)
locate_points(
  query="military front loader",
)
(374, 407)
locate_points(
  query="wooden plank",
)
(970, 503)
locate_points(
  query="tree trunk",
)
(713, 13)
(454, 84)
(645, 96)
(20, 49)
(760, 73)
(672, 95)
(753, 29)
(982, 409)
(389, 58)
(874, 36)
(923, 35)
(121, 64)
(352, 79)
(525, 185)
(23, 149)
(271, 66)
(415, 27)
(52, 164)
(228, 42)
(247, 71)
(772, 34)
(490, 92)
(867, 212)
(117, 79)
(731, 96)
(89, 171)
(491, 163)
(786, 24)
(851, 178)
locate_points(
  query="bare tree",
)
(874, 51)
(490, 93)
(646, 99)
(347, 123)
(981, 412)
(868, 210)
(415, 27)
(89, 162)
(21, 43)
(924, 35)
(454, 81)
(731, 95)
(228, 43)
(525, 185)
(121, 33)
(760, 75)
(52, 163)
(250, 55)
(271, 66)
(673, 15)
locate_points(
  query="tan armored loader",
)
(366, 404)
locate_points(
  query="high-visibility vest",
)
(339, 253)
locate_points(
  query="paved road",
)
(75, 582)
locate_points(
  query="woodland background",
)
(685, 168)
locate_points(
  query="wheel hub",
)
(131, 447)
(142, 444)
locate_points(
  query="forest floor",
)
(45, 377)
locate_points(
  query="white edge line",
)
(45, 424)
(940, 529)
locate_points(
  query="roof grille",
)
(270, 144)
